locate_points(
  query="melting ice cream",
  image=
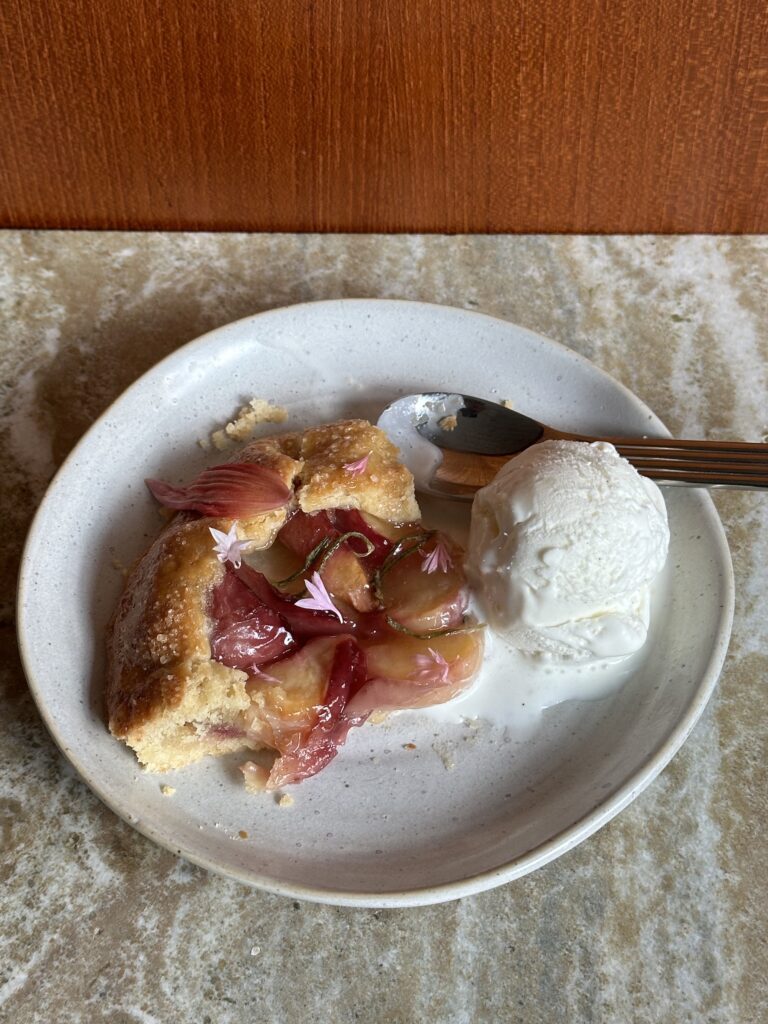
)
(564, 545)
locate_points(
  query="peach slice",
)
(288, 694)
(277, 563)
(408, 673)
(392, 531)
(343, 573)
(346, 579)
(421, 600)
(301, 757)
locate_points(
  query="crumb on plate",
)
(120, 567)
(255, 777)
(445, 756)
(167, 790)
(285, 800)
(258, 410)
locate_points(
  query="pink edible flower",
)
(359, 467)
(320, 601)
(227, 547)
(437, 560)
(433, 666)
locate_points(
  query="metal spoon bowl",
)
(454, 444)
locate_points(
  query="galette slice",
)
(294, 593)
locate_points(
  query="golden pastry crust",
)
(160, 677)
(319, 457)
(165, 695)
(281, 453)
(385, 489)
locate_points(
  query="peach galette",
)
(294, 593)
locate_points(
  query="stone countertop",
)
(660, 917)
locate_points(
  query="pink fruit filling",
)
(246, 633)
(397, 640)
(304, 755)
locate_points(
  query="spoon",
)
(454, 444)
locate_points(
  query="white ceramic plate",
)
(384, 825)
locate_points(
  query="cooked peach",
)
(343, 574)
(405, 672)
(423, 600)
(291, 690)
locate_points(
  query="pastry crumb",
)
(242, 834)
(257, 411)
(255, 950)
(167, 790)
(286, 800)
(507, 403)
(448, 423)
(409, 746)
(120, 567)
(448, 763)
(255, 777)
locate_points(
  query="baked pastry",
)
(209, 654)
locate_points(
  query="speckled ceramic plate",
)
(387, 823)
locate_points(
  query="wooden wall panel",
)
(386, 115)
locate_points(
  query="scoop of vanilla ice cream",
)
(563, 547)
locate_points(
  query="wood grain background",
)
(386, 115)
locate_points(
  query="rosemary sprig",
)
(316, 551)
(432, 633)
(334, 546)
(327, 548)
(398, 551)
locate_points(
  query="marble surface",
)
(659, 917)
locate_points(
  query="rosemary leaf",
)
(432, 633)
(334, 546)
(304, 570)
(398, 552)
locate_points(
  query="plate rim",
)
(523, 864)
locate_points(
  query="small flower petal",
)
(438, 559)
(320, 601)
(359, 467)
(227, 547)
(433, 666)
